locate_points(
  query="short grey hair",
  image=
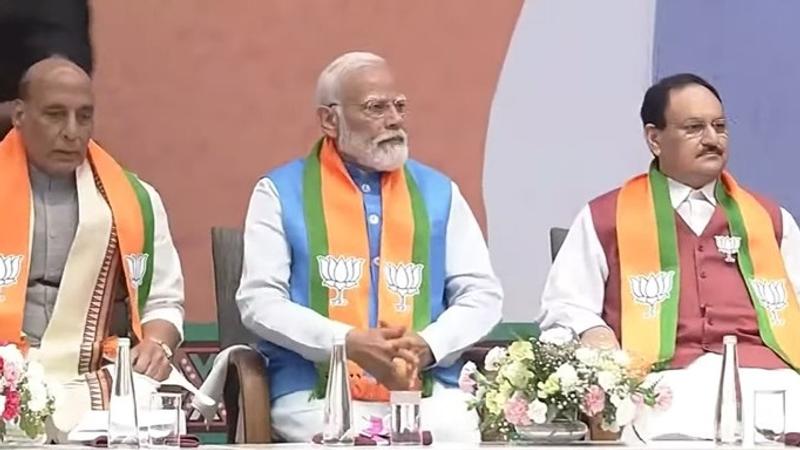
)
(330, 80)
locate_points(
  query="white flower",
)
(607, 363)
(567, 376)
(469, 368)
(38, 400)
(465, 381)
(607, 380)
(588, 356)
(626, 410)
(11, 355)
(537, 411)
(621, 357)
(492, 361)
(557, 336)
(516, 373)
(35, 373)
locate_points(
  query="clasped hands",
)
(393, 355)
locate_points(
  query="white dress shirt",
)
(473, 292)
(575, 288)
(165, 301)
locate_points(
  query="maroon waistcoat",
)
(713, 301)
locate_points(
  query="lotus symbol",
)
(772, 296)
(340, 273)
(651, 290)
(9, 271)
(404, 280)
(728, 246)
(137, 267)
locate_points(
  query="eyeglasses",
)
(378, 108)
(697, 129)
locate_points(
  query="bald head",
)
(54, 115)
(47, 69)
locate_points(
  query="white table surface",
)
(654, 445)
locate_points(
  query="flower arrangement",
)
(554, 378)
(25, 399)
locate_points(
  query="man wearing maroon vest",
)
(686, 131)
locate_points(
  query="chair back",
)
(557, 236)
(227, 247)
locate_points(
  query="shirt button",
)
(374, 219)
(703, 275)
(699, 248)
(376, 261)
(365, 188)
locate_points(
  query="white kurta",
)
(474, 298)
(574, 293)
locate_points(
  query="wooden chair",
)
(247, 416)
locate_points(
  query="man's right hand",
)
(600, 338)
(372, 350)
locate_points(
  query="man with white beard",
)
(357, 243)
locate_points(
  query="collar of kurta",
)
(679, 192)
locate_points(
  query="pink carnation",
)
(595, 400)
(465, 381)
(663, 398)
(12, 405)
(638, 401)
(11, 373)
(516, 411)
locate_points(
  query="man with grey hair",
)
(358, 244)
(86, 255)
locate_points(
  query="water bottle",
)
(728, 426)
(123, 424)
(338, 413)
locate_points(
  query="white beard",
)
(374, 153)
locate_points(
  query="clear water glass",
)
(769, 417)
(405, 406)
(164, 419)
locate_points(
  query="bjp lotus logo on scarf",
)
(9, 271)
(340, 273)
(651, 290)
(772, 296)
(404, 280)
(137, 267)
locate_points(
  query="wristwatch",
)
(165, 347)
